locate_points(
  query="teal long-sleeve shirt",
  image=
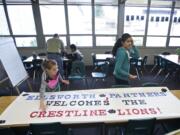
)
(122, 65)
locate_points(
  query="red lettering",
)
(120, 112)
(68, 113)
(93, 112)
(128, 111)
(33, 114)
(59, 114)
(135, 111)
(85, 113)
(159, 110)
(77, 113)
(42, 114)
(102, 112)
(152, 111)
(144, 111)
(51, 114)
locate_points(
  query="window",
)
(135, 19)
(177, 4)
(18, 1)
(26, 42)
(161, 3)
(174, 41)
(63, 38)
(176, 23)
(105, 41)
(138, 41)
(84, 41)
(136, 2)
(156, 42)
(53, 19)
(159, 21)
(22, 20)
(3, 23)
(51, 1)
(106, 19)
(80, 21)
(106, 2)
(79, 1)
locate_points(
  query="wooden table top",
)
(5, 101)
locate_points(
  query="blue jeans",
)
(58, 58)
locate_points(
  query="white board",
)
(11, 61)
(91, 106)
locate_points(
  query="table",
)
(103, 57)
(30, 59)
(7, 100)
(173, 58)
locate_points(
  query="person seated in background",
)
(134, 52)
(75, 55)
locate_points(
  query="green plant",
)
(178, 51)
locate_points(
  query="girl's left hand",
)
(66, 82)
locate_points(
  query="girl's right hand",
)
(42, 106)
(132, 77)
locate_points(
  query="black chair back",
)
(48, 129)
(37, 63)
(166, 53)
(144, 61)
(6, 131)
(93, 58)
(108, 52)
(140, 127)
(42, 54)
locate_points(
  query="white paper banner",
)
(90, 106)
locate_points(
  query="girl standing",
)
(122, 62)
(51, 80)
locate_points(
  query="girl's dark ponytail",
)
(119, 42)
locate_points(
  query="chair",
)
(162, 65)
(108, 52)
(134, 62)
(120, 86)
(156, 63)
(140, 65)
(140, 127)
(171, 125)
(6, 131)
(36, 66)
(23, 58)
(100, 75)
(175, 132)
(170, 69)
(166, 53)
(78, 72)
(28, 66)
(42, 54)
(150, 84)
(48, 129)
(96, 64)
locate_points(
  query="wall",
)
(87, 52)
